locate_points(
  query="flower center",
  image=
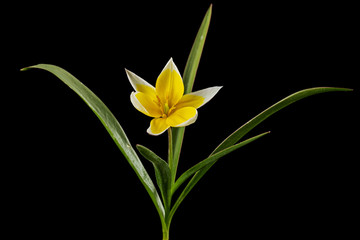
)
(166, 108)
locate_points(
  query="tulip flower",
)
(166, 102)
(171, 104)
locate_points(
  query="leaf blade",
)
(212, 159)
(189, 74)
(244, 129)
(193, 61)
(207, 164)
(162, 172)
(112, 126)
(238, 134)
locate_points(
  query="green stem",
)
(172, 163)
(173, 167)
(177, 138)
(165, 234)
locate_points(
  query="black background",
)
(65, 177)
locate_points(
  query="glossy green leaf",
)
(238, 134)
(162, 173)
(112, 126)
(208, 162)
(191, 67)
(193, 61)
(212, 159)
(244, 129)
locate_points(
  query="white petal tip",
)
(154, 134)
(171, 65)
(136, 80)
(128, 72)
(207, 93)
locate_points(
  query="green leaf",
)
(112, 126)
(238, 134)
(212, 159)
(244, 129)
(191, 67)
(192, 63)
(162, 173)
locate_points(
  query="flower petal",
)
(198, 98)
(135, 102)
(182, 117)
(139, 84)
(169, 85)
(189, 100)
(157, 126)
(146, 104)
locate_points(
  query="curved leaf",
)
(162, 173)
(112, 126)
(238, 134)
(244, 129)
(212, 159)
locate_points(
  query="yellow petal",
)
(182, 117)
(138, 105)
(198, 98)
(169, 85)
(157, 126)
(148, 90)
(146, 104)
(189, 100)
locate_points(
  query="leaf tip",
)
(209, 11)
(345, 89)
(30, 67)
(24, 69)
(263, 134)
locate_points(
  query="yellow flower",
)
(166, 102)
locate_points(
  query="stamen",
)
(157, 102)
(171, 110)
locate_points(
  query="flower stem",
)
(165, 234)
(173, 167)
(171, 155)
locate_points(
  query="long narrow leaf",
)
(212, 159)
(191, 67)
(244, 129)
(193, 61)
(162, 173)
(237, 135)
(111, 125)
(205, 164)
